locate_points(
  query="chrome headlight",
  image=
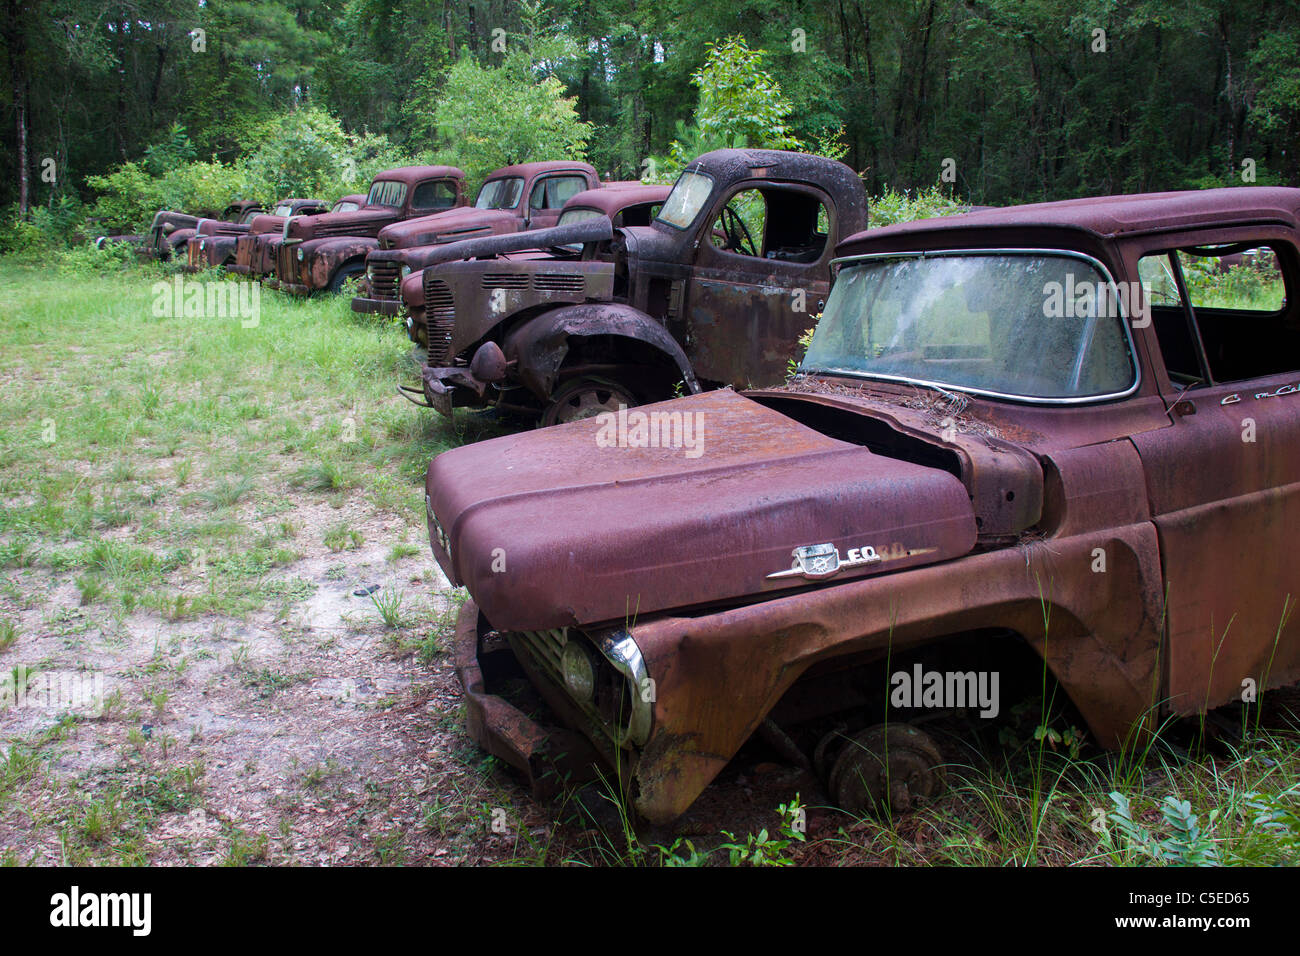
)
(404, 271)
(301, 255)
(203, 244)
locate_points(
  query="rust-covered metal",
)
(1137, 544)
(317, 253)
(403, 246)
(735, 311)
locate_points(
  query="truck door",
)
(760, 277)
(1224, 478)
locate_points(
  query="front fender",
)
(540, 345)
(323, 257)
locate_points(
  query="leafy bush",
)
(891, 206)
(53, 226)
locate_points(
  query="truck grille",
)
(384, 279)
(244, 251)
(440, 312)
(284, 262)
(610, 708)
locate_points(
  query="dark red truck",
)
(255, 250)
(320, 253)
(1027, 443)
(715, 290)
(527, 196)
(170, 231)
(213, 242)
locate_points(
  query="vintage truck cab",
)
(1040, 440)
(716, 290)
(170, 231)
(214, 242)
(512, 199)
(255, 250)
(321, 253)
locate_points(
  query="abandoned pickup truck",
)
(324, 252)
(1001, 455)
(170, 231)
(501, 208)
(715, 291)
(255, 250)
(213, 243)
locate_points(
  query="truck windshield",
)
(686, 200)
(385, 192)
(500, 193)
(1009, 324)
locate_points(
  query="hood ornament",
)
(817, 561)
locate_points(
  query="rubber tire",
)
(349, 270)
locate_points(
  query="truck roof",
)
(1103, 217)
(411, 174)
(532, 169)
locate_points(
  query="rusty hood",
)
(688, 503)
(464, 222)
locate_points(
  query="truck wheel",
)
(585, 398)
(349, 271)
(887, 769)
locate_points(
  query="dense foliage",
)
(997, 101)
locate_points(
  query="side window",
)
(434, 194)
(741, 225)
(789, 225)
(554, 191)
(1245, 317)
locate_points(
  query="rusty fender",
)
(322, 257)
(1101, 642)
(540, 344)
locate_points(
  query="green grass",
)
(130, 444)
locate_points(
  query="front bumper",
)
(548, 757)
(382, 306)
(293, 288)
(240, 270)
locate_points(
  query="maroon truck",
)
(716, 290)
(255, 250)
(213, 242)
(170, 231)
(500, 209)
(1003, 456)
(323, 252)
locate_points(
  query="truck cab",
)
(716, 290)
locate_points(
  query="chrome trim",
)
(621, 650)
(836, 264)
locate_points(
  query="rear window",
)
(347, 206)
(554, 191)
(434, 194)
(284, 209)
(386, 193)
